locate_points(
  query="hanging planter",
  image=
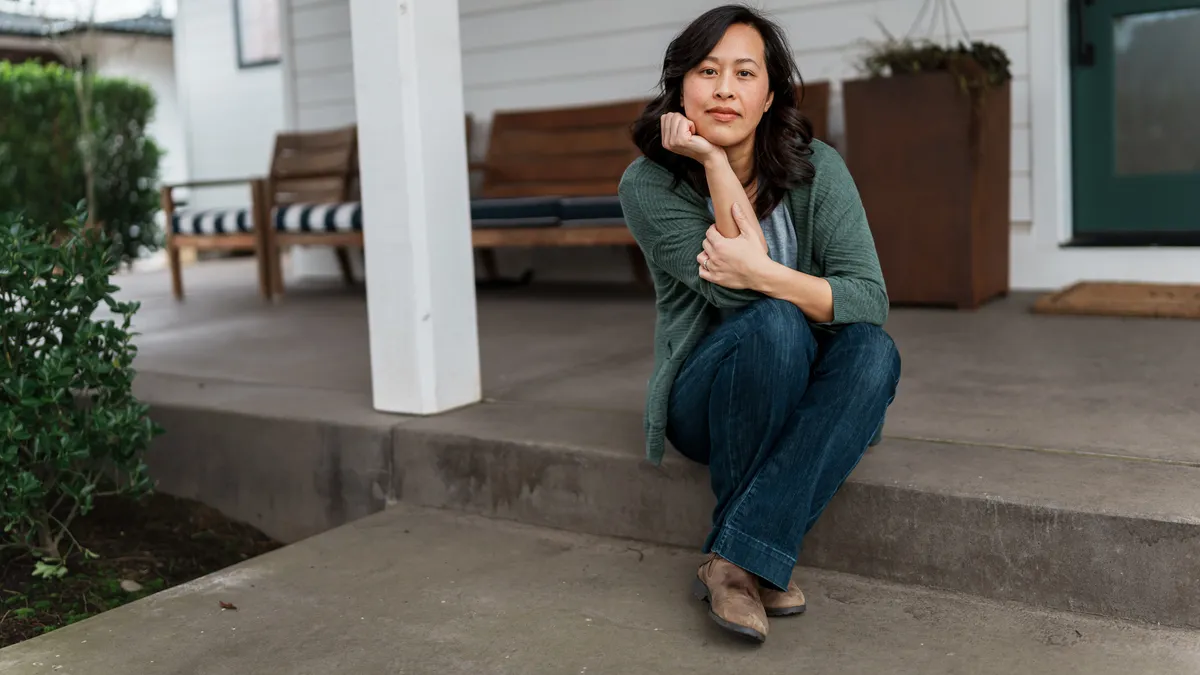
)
(928, 142)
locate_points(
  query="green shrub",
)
(42, 151)
(70, 427)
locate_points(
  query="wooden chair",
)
(311, 198)
(550, 179)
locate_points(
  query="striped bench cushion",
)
(215, 222)
(293, 218)
(299, 218)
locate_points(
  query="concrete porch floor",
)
(998, 377)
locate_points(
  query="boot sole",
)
(786, 611)
(700, 591)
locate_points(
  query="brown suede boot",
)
(779, 603)
(732, 594)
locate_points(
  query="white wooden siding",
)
(230, 115)
(321, 63)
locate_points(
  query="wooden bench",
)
(550, 179)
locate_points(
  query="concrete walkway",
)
(428, 592)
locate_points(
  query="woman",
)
(771, 366)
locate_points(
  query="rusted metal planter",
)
(814, 103)
(934, 173)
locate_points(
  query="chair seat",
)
(515, 212)
(212, 222)
(318, 218)
(592, 210)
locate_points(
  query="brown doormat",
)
(1096, 298)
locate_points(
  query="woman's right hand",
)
(680, 137)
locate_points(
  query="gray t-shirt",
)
(780, 234)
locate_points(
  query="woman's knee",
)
(877, 358)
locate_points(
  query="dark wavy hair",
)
(781, 145)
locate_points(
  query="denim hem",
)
(756, 557)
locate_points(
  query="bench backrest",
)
(562, 152)
(315, 167)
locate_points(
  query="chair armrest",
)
(219, 182)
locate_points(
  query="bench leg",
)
(174, 262)
(641, 273)
(343, 257)
(262, 232)
(264, 275)
(276, 259)
(490, 267)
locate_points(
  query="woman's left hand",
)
(736, 262)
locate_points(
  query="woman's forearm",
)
(812, 295)
(725, 189)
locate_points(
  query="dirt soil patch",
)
(156, 543)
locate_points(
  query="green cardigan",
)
(833, 242)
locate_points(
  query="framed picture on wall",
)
(256, 27)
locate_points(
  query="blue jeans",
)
(781, 415)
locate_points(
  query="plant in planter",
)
(928, 142)
(70, 428)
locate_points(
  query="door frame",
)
(1050, 121)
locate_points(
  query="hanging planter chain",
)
(940, 9)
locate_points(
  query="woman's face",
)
(726, 94)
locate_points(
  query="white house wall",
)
(320, 67)
(151, 61)
(537, 53)
(230, 114)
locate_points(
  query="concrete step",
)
(1060, 530)
(1067, 531)
(415, 591)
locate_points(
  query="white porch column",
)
(416, 210)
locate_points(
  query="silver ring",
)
(705, 265)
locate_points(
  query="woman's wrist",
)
(716, 160)
(771, 279)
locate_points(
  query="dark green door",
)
(1135, 113)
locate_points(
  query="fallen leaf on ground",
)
(227, 605)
